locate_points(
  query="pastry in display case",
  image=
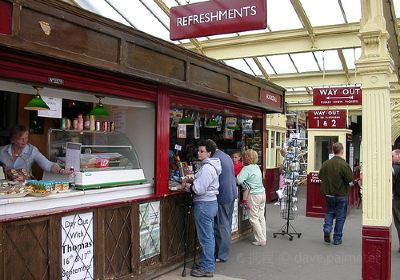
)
(99, 158)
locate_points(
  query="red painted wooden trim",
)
(376, 253)
(162, 143)
(5, 17)
(207, 103)
(38, 69)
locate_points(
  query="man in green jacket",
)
(336, 176)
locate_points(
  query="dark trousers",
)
(223, 230)
(396, 215)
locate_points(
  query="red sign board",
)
(271, 99)
(327, 119)
(217, 17)
(337, 96)
(6, 8)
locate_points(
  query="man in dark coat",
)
(396, 190)
(336, 176)
(226, 199)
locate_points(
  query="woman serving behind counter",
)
(20, 155)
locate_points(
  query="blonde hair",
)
(250, 156)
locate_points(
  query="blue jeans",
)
(204, 214)
(335, 206)
(223, 230)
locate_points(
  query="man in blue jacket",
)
(226, 201)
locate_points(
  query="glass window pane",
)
(101, 8)
(275, 19)
(239, 64)
(305, 62)
(142, 18)
(351, 55)
(253, 66)
(352, 8)
(329, 60)
(282, 64)
(266, 65)
(323, 12)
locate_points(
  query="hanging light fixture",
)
(99, 110)
(36, 103)
(186, 120)
(212, 123)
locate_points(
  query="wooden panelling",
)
(177, 219)
(245, 90)
(68, 36)
(27, 250)
(151, 61)
(208, 78)
(118, 243)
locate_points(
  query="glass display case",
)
(102, 159)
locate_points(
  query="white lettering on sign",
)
(345, 91)
(216, 16)
(271, 97)
(77, 249)
(326, 113)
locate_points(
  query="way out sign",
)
(327, 119)
(337, 96)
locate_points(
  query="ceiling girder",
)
(281, 42)
(298, 7)
(262, 69)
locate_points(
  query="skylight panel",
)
(351, 55)
(142, 18)
(323, 12)
(305, 62)
(275, 19)
(253, 66)
(328, 60)
(239, 64)
(101, 8)
(282, 64)
(266, 65)
(352, 8)
(396, 4)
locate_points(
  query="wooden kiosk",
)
(103, 234)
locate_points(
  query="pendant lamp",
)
(99, 110)
(186, 120)
(212, 123)
(36, 103)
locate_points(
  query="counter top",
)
(70, 199)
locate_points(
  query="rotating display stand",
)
(288, 198)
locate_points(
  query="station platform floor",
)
(307, 257)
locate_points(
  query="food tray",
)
(37, 194)
(12, 195)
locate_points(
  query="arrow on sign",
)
(340, 97)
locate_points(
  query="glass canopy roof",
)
(283, 16)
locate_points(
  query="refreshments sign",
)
(337, 96)
(217, 17)
(327, 119)
(271, 99)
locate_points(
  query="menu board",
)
(77, 249)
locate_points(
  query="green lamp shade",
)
(186, 120)
(36, 103)
(234, 127)
(212, 123)
(99, 111)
